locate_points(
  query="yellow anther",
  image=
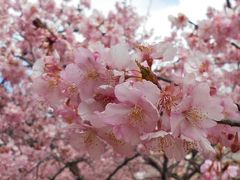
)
(136, 116)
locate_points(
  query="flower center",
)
(136, 116)
(89, 138)
(194, 116)
(72, 89)
(167, 102)
(93, 75)
(113, 140)
(188, 146)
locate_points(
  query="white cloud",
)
(195, 10)
(160, 9)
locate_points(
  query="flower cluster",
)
(102, 90)
(108, 97)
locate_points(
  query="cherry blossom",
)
(83, 95)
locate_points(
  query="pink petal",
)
(115, 114)
(77, 141)
(71, 74)
(192, 132)
(213, 109)
(96, 149)
(82, 55)
(175, 121)
(206, 123)
(149, 109)
(201, 95)
(87, 108)
(149, 90)
(175, 150)
(130, 135)
(119, 55)
(126, 93)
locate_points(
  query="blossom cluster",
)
(109, 97)
(103, 90)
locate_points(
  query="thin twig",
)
(125, 162)
(72, 165)
(29, 63)
(235, 45)
(165, 168)
(195, 25)
(238, 106)
(3, 81)
(229, 122)
(153, 163)
(229, 5)
(166, 80)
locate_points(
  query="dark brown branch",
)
(238, 106)
(171, 167)
(192, 23)
(75, 170)
(228, 3)
(150, 161)
(175, 176)
(72, 165)
(39, 24)
(193, 165)
(29, 63)
(59, 172)
(125, 162)
(34, 167)
(164, 79)
(188, 176)
(235, 45)
(229, 122)
(3, 81)
(165, 168)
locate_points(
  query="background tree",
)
(169, 109)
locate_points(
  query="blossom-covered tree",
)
(83, 96)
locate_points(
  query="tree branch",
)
(72, 165)
(125, 162)
(192, 165)
(238, 106)
(166, 80)
(195, 25)
(235, 45)
(228, 3)
(59, 172)
(153, 163)
(165, 168)
(3, 81)
(229, 122)
(30, 64)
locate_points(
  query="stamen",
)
(89, 138)
(112, 138)
(194, 116)
(167, 101)
(136, 116)
(92, 75)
